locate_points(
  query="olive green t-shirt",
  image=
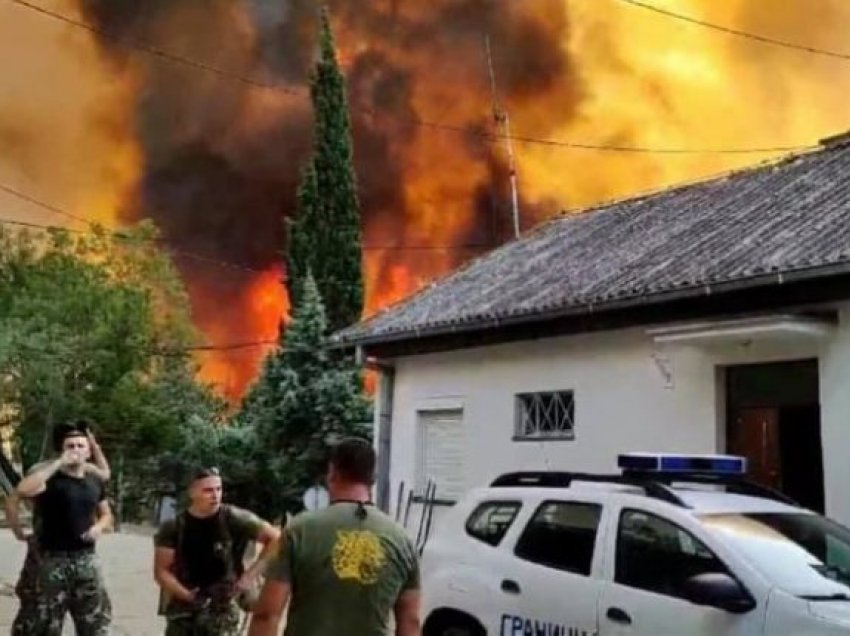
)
(346, 571)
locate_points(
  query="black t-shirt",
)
(203, 550)
(66, 509)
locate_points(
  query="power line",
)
(155, 51)
(489, 137)
(51, 208)
(524, 139)
(737, 32)
(117, 233)
(232, 346)
(119, 236)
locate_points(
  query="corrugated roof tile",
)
(775, 218)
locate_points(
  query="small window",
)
(547, 416)
(491, 520)
(656, 555)
(561, 535)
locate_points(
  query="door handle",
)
(510, 587)
(617, 615)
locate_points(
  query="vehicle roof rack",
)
(658, 485)
(557, 479)
(734, 484)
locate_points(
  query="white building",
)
(713, 317)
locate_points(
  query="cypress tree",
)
(325, 238)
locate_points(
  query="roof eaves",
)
(660, 297)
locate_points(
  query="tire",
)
(452, 623)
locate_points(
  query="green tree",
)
(325, 238)
(303, 399)
(96, 326)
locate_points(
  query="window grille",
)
(546, 415)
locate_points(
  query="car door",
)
(463, 571)
(554, 563)
(653, 557)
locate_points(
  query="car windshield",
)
(802, 553)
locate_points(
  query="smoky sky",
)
(219, 179)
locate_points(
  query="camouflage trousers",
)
(218, 619)
(27, 589)
(72, 583)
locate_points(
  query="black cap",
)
(71, 428)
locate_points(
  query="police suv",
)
(674, 545)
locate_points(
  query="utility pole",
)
(503, 126)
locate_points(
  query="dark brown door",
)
(754, 434)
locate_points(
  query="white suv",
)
(675, 545)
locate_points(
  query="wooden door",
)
(754, 433)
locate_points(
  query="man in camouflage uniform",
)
(27, 588)
(71, 513)
(198, 561)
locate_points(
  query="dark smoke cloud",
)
(222, 160)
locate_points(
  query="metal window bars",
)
(546, 414)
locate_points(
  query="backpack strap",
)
(225, 519)
(180, 531)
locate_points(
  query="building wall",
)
(630, 395)
(835, 420)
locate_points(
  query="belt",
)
(66, 554)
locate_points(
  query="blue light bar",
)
(674, 463)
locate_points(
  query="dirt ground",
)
(126, 561)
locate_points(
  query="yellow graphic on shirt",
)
(358, 556)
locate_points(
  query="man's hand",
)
(70, 458)
(92, 534)
(21, 534)
(244, 583)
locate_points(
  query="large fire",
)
(116, 134)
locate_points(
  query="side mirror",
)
(718, 590)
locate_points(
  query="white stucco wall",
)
(835, 420)
(623, 401)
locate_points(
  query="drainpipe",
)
(383, 430)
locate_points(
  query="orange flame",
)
(629, 77)
(263, 305)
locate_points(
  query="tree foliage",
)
(96, 326)
(325, 238)
(303, 399)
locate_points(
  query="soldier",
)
(198, 561)
(27, 589)
(71, 513)
(346, 567)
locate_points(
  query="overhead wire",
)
(118, 233)
(489, 136)
(737, 32)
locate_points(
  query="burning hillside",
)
(93, 123)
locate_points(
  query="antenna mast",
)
(503, 122)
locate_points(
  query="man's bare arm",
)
(269, 608)
(99, 465)
(269, 538)
(103, 522)
(407, 622)
(163, 564)
(36, 481)
(13, 516)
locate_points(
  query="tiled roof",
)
(789, 216)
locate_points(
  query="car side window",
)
(491, 520)
(658, 556)
(561, 535)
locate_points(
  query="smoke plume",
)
(91, 122)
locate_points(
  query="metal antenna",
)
(503, 122)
